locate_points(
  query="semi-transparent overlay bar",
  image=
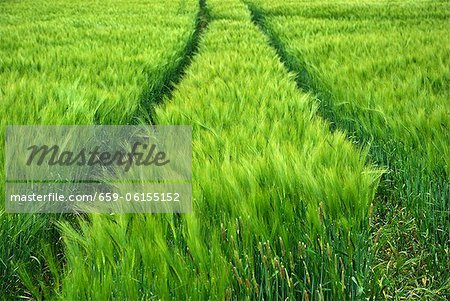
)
(98, 168)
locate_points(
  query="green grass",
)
(321, 147)
(281, 204)
(78, 62)
(381, 72)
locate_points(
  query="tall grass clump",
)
(281, 205)
(78, 62)
(381, 72)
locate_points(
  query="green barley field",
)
(321, 147)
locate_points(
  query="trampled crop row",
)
(381, 72)
(281, 204)
(78, 62)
